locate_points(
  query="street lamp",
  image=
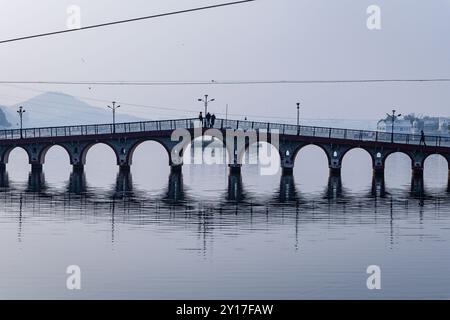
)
(298, 114)
(21, 111)
(393, 118)
(206, 101)
(113, 108)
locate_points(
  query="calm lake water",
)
(205, 235)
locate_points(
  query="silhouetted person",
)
(200, 117)
(208, 119)
(213, 120)
(422, 138)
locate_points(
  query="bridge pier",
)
(124, 168)
(378, 171)
(448, 182)
(235, 188)
(175, 189)
(77, 181)
(4, 179)
(36, 180)
(2, 167)
(335, 171)
(417, 172)
(176, 169)
(235, 169)
(417, 186)
(78, 168)
(287, 189)
(378, 185)
(334, 189)
(36, 167)
(124, 182)
(287, 171)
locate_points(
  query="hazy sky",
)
(263, 40)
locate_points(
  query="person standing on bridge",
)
(213, 120)
(422, 138)
(208, 120)
(200, 117)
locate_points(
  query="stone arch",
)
(391, 152)
(300, 147)
(43, 152)
(357, 167)
(85, 149)
(311, 166)
(372, 156)
(443, 156)
(7, 152)
(446, 157)
(134, 146)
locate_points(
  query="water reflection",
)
(124, 185)
(334, 189)
(175, 188)
(140, 207)
(36, 181)
(175, 192)
(288, 190)
(144, 226)
(418, 187)
(4, 179)
(136, 202)
(77, 182)
(235, 188)
(378, 186)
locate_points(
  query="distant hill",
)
(4, 123)
(59, 109)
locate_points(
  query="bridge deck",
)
(164, 125)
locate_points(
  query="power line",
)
(125, 21)
(214, 82)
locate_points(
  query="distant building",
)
(416, 127)
(400, 126)
(431, 126)
(413, 125)
(444, 126)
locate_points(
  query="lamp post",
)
(226, 113)
(393, 118)
(298, 114)
(113, 108)
(21, 111)
(206, 101)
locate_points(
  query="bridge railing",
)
(96, 129)
(287, 129)
(335, 133)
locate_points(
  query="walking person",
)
(422, 138)
(200, 117)
(213, 120)
(208, 120)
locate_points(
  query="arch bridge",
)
(288, 140)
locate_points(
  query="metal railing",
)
(286, 129)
